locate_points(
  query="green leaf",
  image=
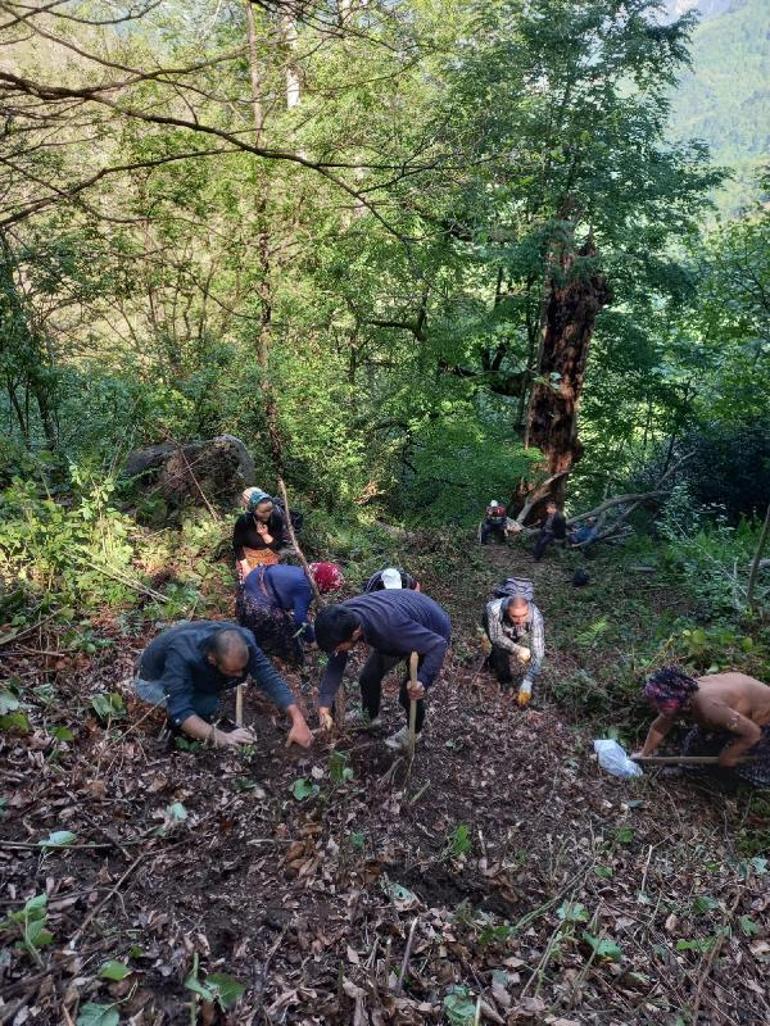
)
(92, 1014)
(8, 702)
(603, 872)
(624, 835)
(194, 984)
(176, 812)
(703, 903)
(573, 912)
(604, 947)
(701, 944)
(62, 734)
(358, 840)
(303, 789)
(339, 771)
(109, 707)
(15, 721)
(113, 970)
(460, 1007)
(228, 990)
(58, 839)
(748, 927)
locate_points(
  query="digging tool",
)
(683, 760)
(239, 706)
(413, 661)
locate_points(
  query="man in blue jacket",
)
(393, 623)
(188, 666)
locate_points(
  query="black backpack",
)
(297, 516)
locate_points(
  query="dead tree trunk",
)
(578, 291)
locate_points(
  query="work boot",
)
(360, 719)
(399, 741)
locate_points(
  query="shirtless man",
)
(731, 712)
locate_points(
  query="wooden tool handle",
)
(239, 706)
(413, 661)
(683, 760)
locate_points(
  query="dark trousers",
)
(492, 530)
(376, 668)
(544, 539)
(498, 660)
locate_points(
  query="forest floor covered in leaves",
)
(336, 886)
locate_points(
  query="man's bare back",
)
(744, 695)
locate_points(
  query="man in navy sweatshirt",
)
(188, 666)
(393, 623)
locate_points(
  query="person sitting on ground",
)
(274, 603)
(393, 623)
(554, 528)
(514, 626)
(494, 523)
(731, 713)
(259, 534)
(391, 579)
(187, 667)
(584, 534)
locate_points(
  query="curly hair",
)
(670, 685)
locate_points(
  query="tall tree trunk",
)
(265, 287)
(576, 295)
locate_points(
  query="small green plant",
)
(748, 927)
(624, 835)
(92, 1014)
(339, 771)
(357, 840)
(604, 947)
(304, 788)
(29, 921)
(460, 1006)
(700, 944)
(573, 912)
(58, 839)
(704, 904)
(458, 842)
(219, 988)
(109, 707)
(114, 971)
(173, 816)
(186, 744)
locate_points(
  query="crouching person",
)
(188, 666)
(393, 623)
(514, 626)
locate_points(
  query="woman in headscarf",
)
(731, 713)
(259, 533)
(274, 604)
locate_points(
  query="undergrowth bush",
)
(712, 555)
(77, 551)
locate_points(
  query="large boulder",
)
(219, 469)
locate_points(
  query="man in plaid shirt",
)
(514, 626)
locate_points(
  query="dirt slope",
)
(525, 875)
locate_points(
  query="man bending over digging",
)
(394, 623)
(188, 666)
(731, 712)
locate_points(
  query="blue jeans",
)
(151, 691)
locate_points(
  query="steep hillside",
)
(725, 99)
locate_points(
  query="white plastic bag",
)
(614, 760)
